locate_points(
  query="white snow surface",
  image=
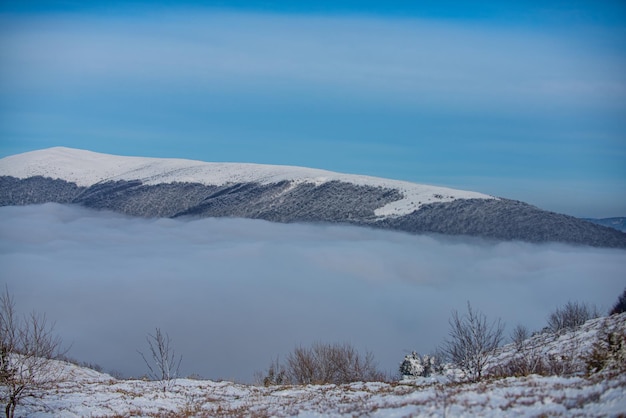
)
(86, 168)
(85, 392)
(514, 397)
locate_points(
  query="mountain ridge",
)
(154, 187)
(87, 168)
(618, 222)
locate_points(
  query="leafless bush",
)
(276, 374)
(527, 364)
(164, 365)
(27, 345)
(620, 305)
(534, 362)
(607, 352)
(531, 358)
(324, 363)
(79, 363)
(571, 315)
(519, 336)
(526, 360)
(562, 365)
(472, 342)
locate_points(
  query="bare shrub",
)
(607, 352)
(274, 375)
(27, 345)
(620, 305)
(530, 363)
(79, 363)
(536, 362)
(163, 365)
(526, 360)
(519, 336)
(562, 365)
(472, 342)
(326, 363)
(571, 315)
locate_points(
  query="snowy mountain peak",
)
(171, 188)
(87, 168)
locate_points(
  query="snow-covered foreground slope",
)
(514, 397)
(86, 168)
(87, 393)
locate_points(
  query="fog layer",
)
(233, 294)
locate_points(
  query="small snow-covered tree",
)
(27, 345)
(164, 365)
(415, 365)
(473, 341)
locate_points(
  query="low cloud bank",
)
(235, 293)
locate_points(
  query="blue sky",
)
(525, 100)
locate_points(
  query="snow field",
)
(84, 392)
(527, 396)
(86, 168)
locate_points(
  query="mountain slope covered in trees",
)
(151, 187)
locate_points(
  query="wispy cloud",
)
(235, 293)
(411, 59)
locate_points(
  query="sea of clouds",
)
(233, 293)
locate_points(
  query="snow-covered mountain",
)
(87, 169)
(156, 187)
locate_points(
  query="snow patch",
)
(86, 168)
